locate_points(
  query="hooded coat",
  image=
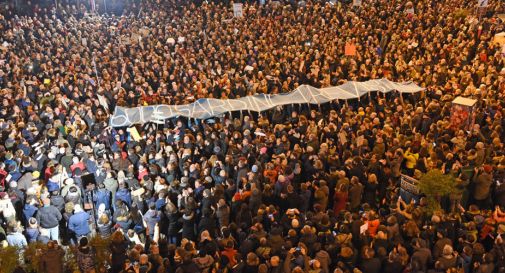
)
(188, 226)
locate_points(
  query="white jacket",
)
(7, 209)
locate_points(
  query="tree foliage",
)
(434, 184)
(28, 258)
(8, 259)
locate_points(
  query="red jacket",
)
(230, 254)
(3, 175)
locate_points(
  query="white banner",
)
(207, 108)
(237, 9)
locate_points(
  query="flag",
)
(237, 9)
(93, 5)
(483, 3)
(350, 49)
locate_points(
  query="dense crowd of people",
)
(296, 189)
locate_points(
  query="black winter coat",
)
(173, 224)
(209, 224)
(188, 226)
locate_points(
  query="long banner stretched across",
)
(207, 108)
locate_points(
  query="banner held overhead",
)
(207, 108)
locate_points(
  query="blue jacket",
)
(32, 234)
(15, 175)
(103, 197)
(78, 223)
(29, 211)
(16, 239)
(216, 177)
(160, 203)
(52, 186)
(90, 166)
(125, 196)
(152, 217)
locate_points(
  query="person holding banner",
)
(371, 103)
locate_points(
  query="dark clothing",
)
(188, 226)
(48, 217)
(209, 224)
(51, 261)
(118, 251)
(370, 265)
(187, 267)
(58, 202)
(103, 196)
(173, 224)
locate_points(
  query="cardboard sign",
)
(363, 228)
(409, 184)
(88, 179)
(360, 140)
(483, 3)
(409, 190)
(135, 38)
(103, 101)
(350, 49)
(275, 3)
(357, 3)
(144, 32)
(499, 39)
(171, 41)
(125, 40)
(237, 9)
(342, 137)
(134, 133)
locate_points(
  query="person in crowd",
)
(15, 236)
(85, 256)
(51, 259)
(297, 188)
(49, 218)
(78, 223)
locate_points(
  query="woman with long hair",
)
(340, 199)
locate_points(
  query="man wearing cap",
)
(49, 218)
